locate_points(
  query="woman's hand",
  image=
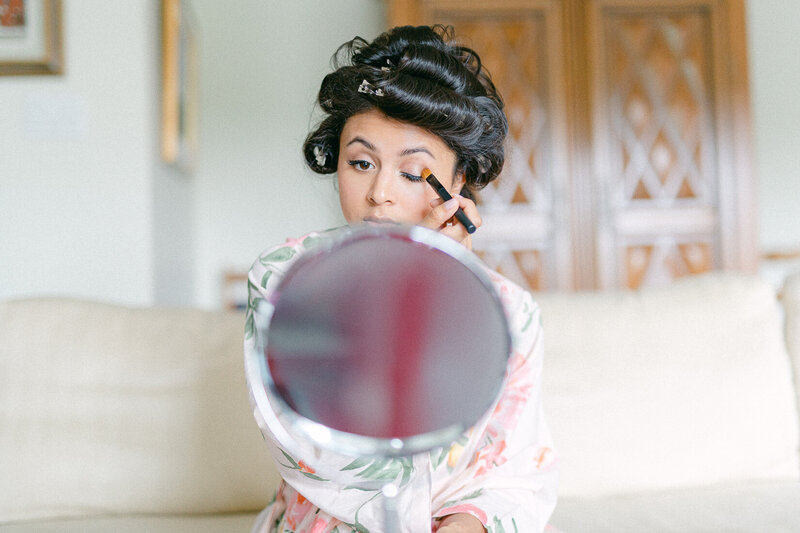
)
(442, 218)
(461, 523)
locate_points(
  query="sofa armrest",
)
(107, 409)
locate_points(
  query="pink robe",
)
(503, 470)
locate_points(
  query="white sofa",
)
(673, 410)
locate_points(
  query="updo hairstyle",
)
(415, 75)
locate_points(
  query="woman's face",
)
(380, 162)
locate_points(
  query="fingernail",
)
(451, 203)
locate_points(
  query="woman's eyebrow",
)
(363, 141)
(409, 151)
(405, 152)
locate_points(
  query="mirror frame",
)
(282, 419)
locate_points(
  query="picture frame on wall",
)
(31, 40)
(179, 80)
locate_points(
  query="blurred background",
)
(90, 208)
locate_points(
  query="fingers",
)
(470, 209)
(442, 212)
(442, 218)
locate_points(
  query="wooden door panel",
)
(658, 158)
(525, 235)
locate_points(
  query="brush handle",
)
(444, 195)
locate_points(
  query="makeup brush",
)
(444, 195)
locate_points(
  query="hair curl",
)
(427, 81)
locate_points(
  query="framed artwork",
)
(179, 79)
(30, 37)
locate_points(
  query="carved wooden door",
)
(628, 155)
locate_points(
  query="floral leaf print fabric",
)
(503, 470)
(386, 470)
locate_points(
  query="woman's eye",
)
(360, 164)
(411, 177)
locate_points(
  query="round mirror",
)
(387, 341)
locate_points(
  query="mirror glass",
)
(388, 341)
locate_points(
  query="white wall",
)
(774, 42)
(75, 213)
(262, 63)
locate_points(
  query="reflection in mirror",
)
(369, 341)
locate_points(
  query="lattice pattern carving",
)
(660, 262)
(660, 77)
(662, 178)
(513, 47)
(522, 266)
(512, 50)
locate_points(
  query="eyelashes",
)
(363, 165)
(359, 164)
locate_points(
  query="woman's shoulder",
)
(271, 264)
(521, 310)
(292, 248)
(511, 294)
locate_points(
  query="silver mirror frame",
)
(279, 416)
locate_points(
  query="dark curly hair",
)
(418, 76)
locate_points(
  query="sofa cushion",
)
(738, 508)
(683, 385)
(108, 409)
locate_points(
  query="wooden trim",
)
(781, 255)
(170, 35)
(230, 280)
(592, 188)
(564, 183)
(736, 166)
(746, 205)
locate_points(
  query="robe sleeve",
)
(504, 471)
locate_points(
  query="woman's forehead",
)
(381, 134)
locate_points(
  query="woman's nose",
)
(381, 189)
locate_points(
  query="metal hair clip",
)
(367, 88)
(320, 156)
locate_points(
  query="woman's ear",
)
(458, 182)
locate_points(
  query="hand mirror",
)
(388, 341)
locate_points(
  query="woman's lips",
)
(379, 220)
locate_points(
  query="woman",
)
(411, 100)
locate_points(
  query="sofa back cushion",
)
(687, 384)
(107, 409)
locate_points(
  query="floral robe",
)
(503, 470)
